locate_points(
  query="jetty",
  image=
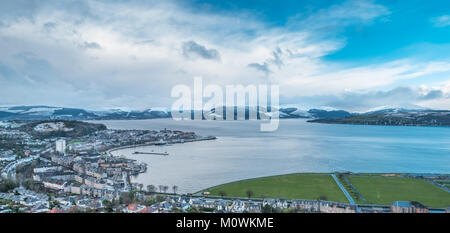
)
(159, 143)
(150, 153)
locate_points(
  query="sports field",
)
(385, 190)
(294, 186)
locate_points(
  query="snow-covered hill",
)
(47, 112)
(285, 111)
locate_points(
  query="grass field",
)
(385, 190)
(294, 186)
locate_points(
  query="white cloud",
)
(441, 21)
(359, 78)
(118, 54)
(399, 97)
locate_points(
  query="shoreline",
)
(325, 121)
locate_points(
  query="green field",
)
(293, 186)
(385, 190)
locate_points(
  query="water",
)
(242, 151)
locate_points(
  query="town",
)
(60, 166)
(47, 165)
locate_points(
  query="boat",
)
(160, 143)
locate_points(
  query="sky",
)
(354, 55)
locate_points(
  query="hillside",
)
(394, 117)
(60, 128)
(57, 113)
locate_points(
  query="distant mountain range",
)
(399, 117)
(49, 113)
(388, 116)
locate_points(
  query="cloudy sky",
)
(351, 54)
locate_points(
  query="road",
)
(347, 195)
(10, 168)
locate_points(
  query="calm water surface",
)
(241, 151)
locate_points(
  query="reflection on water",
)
(242, 151)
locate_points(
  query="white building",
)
(57, 185)
(61, 146)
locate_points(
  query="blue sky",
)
(350, 54)
(407, 29)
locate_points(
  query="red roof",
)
(55, 211)
(132, 207)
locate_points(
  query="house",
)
(408, 207)
(54, 184)
(75, 188)
(332, 207)
(56, 211)
(133, 208)
(41, 207)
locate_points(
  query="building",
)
(408, 207)
(61, 146)
(133, 208)
(75, 188)
(54, 184)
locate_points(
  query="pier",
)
(150, 153)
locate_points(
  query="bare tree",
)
(222, 193)
(151, 188)
(174, 189)
(161, 187)
(249, 193)
(165, 188)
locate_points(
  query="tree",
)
(249, 193)
(108, 206)
(127, 197)
(174, 189)
(222, 193)
(149, 200)
(7, 185)
(160, 198)
(267, 209)
(151, 188)
(160, 188)
(165, 188)
(141, 186)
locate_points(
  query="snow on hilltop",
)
(285, 111)
(51, 126)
